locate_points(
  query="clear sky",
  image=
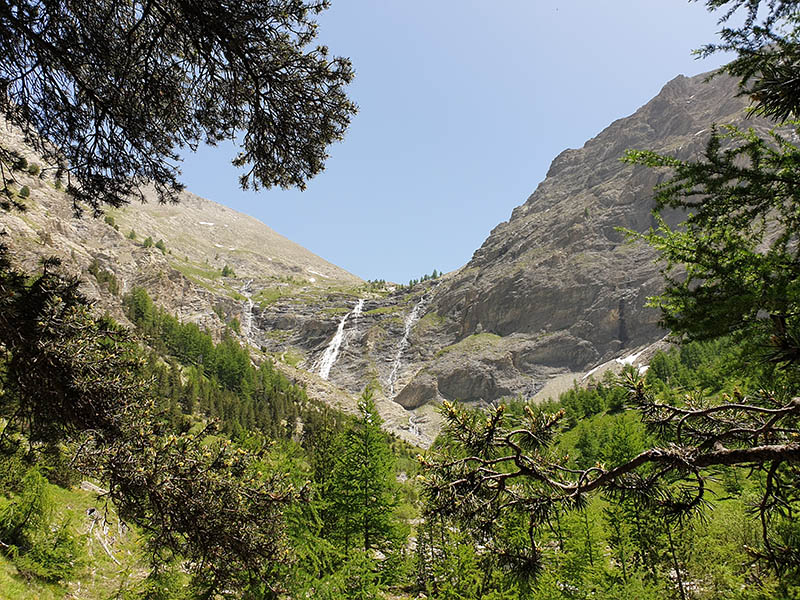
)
(463, 104)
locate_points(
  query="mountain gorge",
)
(553, 292)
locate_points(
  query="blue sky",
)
(463, 104)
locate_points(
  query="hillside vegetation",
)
(151, 448)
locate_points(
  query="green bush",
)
(54, 555)
(34, 541)
(131, 235)
(25, 192)
(110, 220)
(235, 325)
(148, 242)
(21, 164)
(228, 272)
(34, 169)
(161, 246)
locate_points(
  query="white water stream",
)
(411, 319)
(247, 325)
(332, 351)
(413, 426)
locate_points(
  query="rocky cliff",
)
(557, 288)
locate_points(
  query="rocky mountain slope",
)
(557, 288)
(554, 292)
(551, 294)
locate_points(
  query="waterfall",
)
(247, 325)
(332, 351)
(413, 426)
(411, 319)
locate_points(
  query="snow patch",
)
(205, 223)
(591, 372)
(310, 270)
(312, 279)
(630, 359)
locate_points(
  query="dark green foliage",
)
(202, 500)
(131, 235)
(361, 489)
(228, 272)
(219, 379)
(738, 243)
(580, 403)
(109, 220)
(56, 353)
(625, 542)
(434, 275)
(68, 377)
(161, 246)
(20, 163)
(107, 91)
(450, 566)
(25, 192)
(351, 541)
(34, 169)
(148, 242)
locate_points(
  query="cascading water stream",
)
(411, 319)
(332, 351)
(247, 325)
(413, 426)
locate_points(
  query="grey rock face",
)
(558, 282)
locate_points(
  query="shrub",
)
(34, 169)
(131, 235)
(219, 309)
(161, 246)
(21, 164)
(148, 243)
(228, 272)
(35, 543)
(235, 325)
(25, 192)
(110, 221)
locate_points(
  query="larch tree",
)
(363, 491)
